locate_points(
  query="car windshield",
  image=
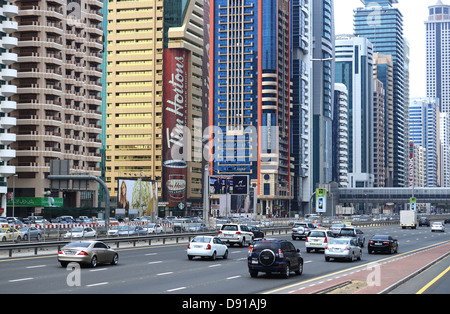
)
(339, 241)
(260, 246)
(380, 237)
(79, 244)
(2, 230)
(202, 239)
(230, 227)
(124, 228)
(77, 230)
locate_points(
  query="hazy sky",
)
(415, 13)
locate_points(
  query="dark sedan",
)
(382, 243)
(258, 233)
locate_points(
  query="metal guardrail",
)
(36, 246)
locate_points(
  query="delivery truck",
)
(408, 218)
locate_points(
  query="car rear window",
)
(318, 234)
(78, 244)
(202, 239)
(380, 237)
(339, 241)
(230, 227)
(349, 232)
(260, 246)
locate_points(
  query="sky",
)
(415, 13)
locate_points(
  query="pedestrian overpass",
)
(394, 195)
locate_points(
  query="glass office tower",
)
(382, 24)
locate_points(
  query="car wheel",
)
(360, 255)
(190, 257)
(213, 257)
(25, 237)
(253, 273)
(327, 258)
(115, 260)
(299, 270)
(94, 261)
(225, 256)
(287, 271)
(64, 264)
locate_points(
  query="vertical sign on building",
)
(175, 103)
(411, 164)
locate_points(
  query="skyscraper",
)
(437, 55)
(7, 59)
(58, 95)
(354, 69)
(251, 97)
(382, 24)
(155, 52)
(301, 120)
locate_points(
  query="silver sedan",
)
(343, 248)
(87, 252)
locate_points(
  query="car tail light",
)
(326, 248)
(280, 253)
(306, 239)
(208, 247)
(220, 232)
(238, 232)
(189, 246)
(326, 240)
(386, 242)
(82, 253)
(60, 252)
(371, 242)
(347, 248)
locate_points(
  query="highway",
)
(165, 269)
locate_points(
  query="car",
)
(10, 233)
(31, 233)
(87, 252)
(343, 248)
(80, 232)
(447, 221)
(130, 231)
(424, 221)
(153, 228)
(301, 229)
(317, 240)
(207, 246)
(257, 233)
(112, 231)
(353, 232)
(383, 243)
(437, 226)
(196, 227)
(336, 228)
(235, 234)
(274, 256)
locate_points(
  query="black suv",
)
(273, 255)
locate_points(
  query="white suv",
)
(235, 233)
(318, 240)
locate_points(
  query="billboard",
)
(139, 196)
(175, 111)
(235, 185)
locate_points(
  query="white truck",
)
(408, 218)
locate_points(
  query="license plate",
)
(69, 252)
(197, 246)
(254, 261)
(378, 243)
(315, 243)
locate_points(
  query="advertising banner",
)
(236, 185)
(321, 201)
(137, 196)
(175, 110)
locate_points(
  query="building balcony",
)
(8, 58)
(8, 90)
(10, 11)
(6, 106)
(7, 138)
(6, 171)
(9, 42)
(9, 27)
(7, 122)
(7, 154)
(8, 74)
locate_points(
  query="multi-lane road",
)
(165, 269)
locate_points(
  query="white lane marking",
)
(22, 279)
(162, 274)
(157, 262)
(98, 269)
(234, 277)
(216, 265)
(36, 266)
(151, 254)
(176, 289)
(97, 284)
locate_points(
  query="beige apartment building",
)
(139, 34)
(58, 95)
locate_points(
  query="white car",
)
(318, 240)
(207, 246)
(81, 232)
(112, 231)
(343, 248)
(437, 226)
(236, 234)
(153, 228)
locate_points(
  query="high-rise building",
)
(301, 120)
(340, 137)
(155, 55)
(379, 137)
(322, 90)
(383, 71)
(382, 23)
(354, 69)
(58, 96)
(7, 58)
(445, 148)
(424, 131)
(437, 56)
(250, 98)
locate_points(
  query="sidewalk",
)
(381, 278)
